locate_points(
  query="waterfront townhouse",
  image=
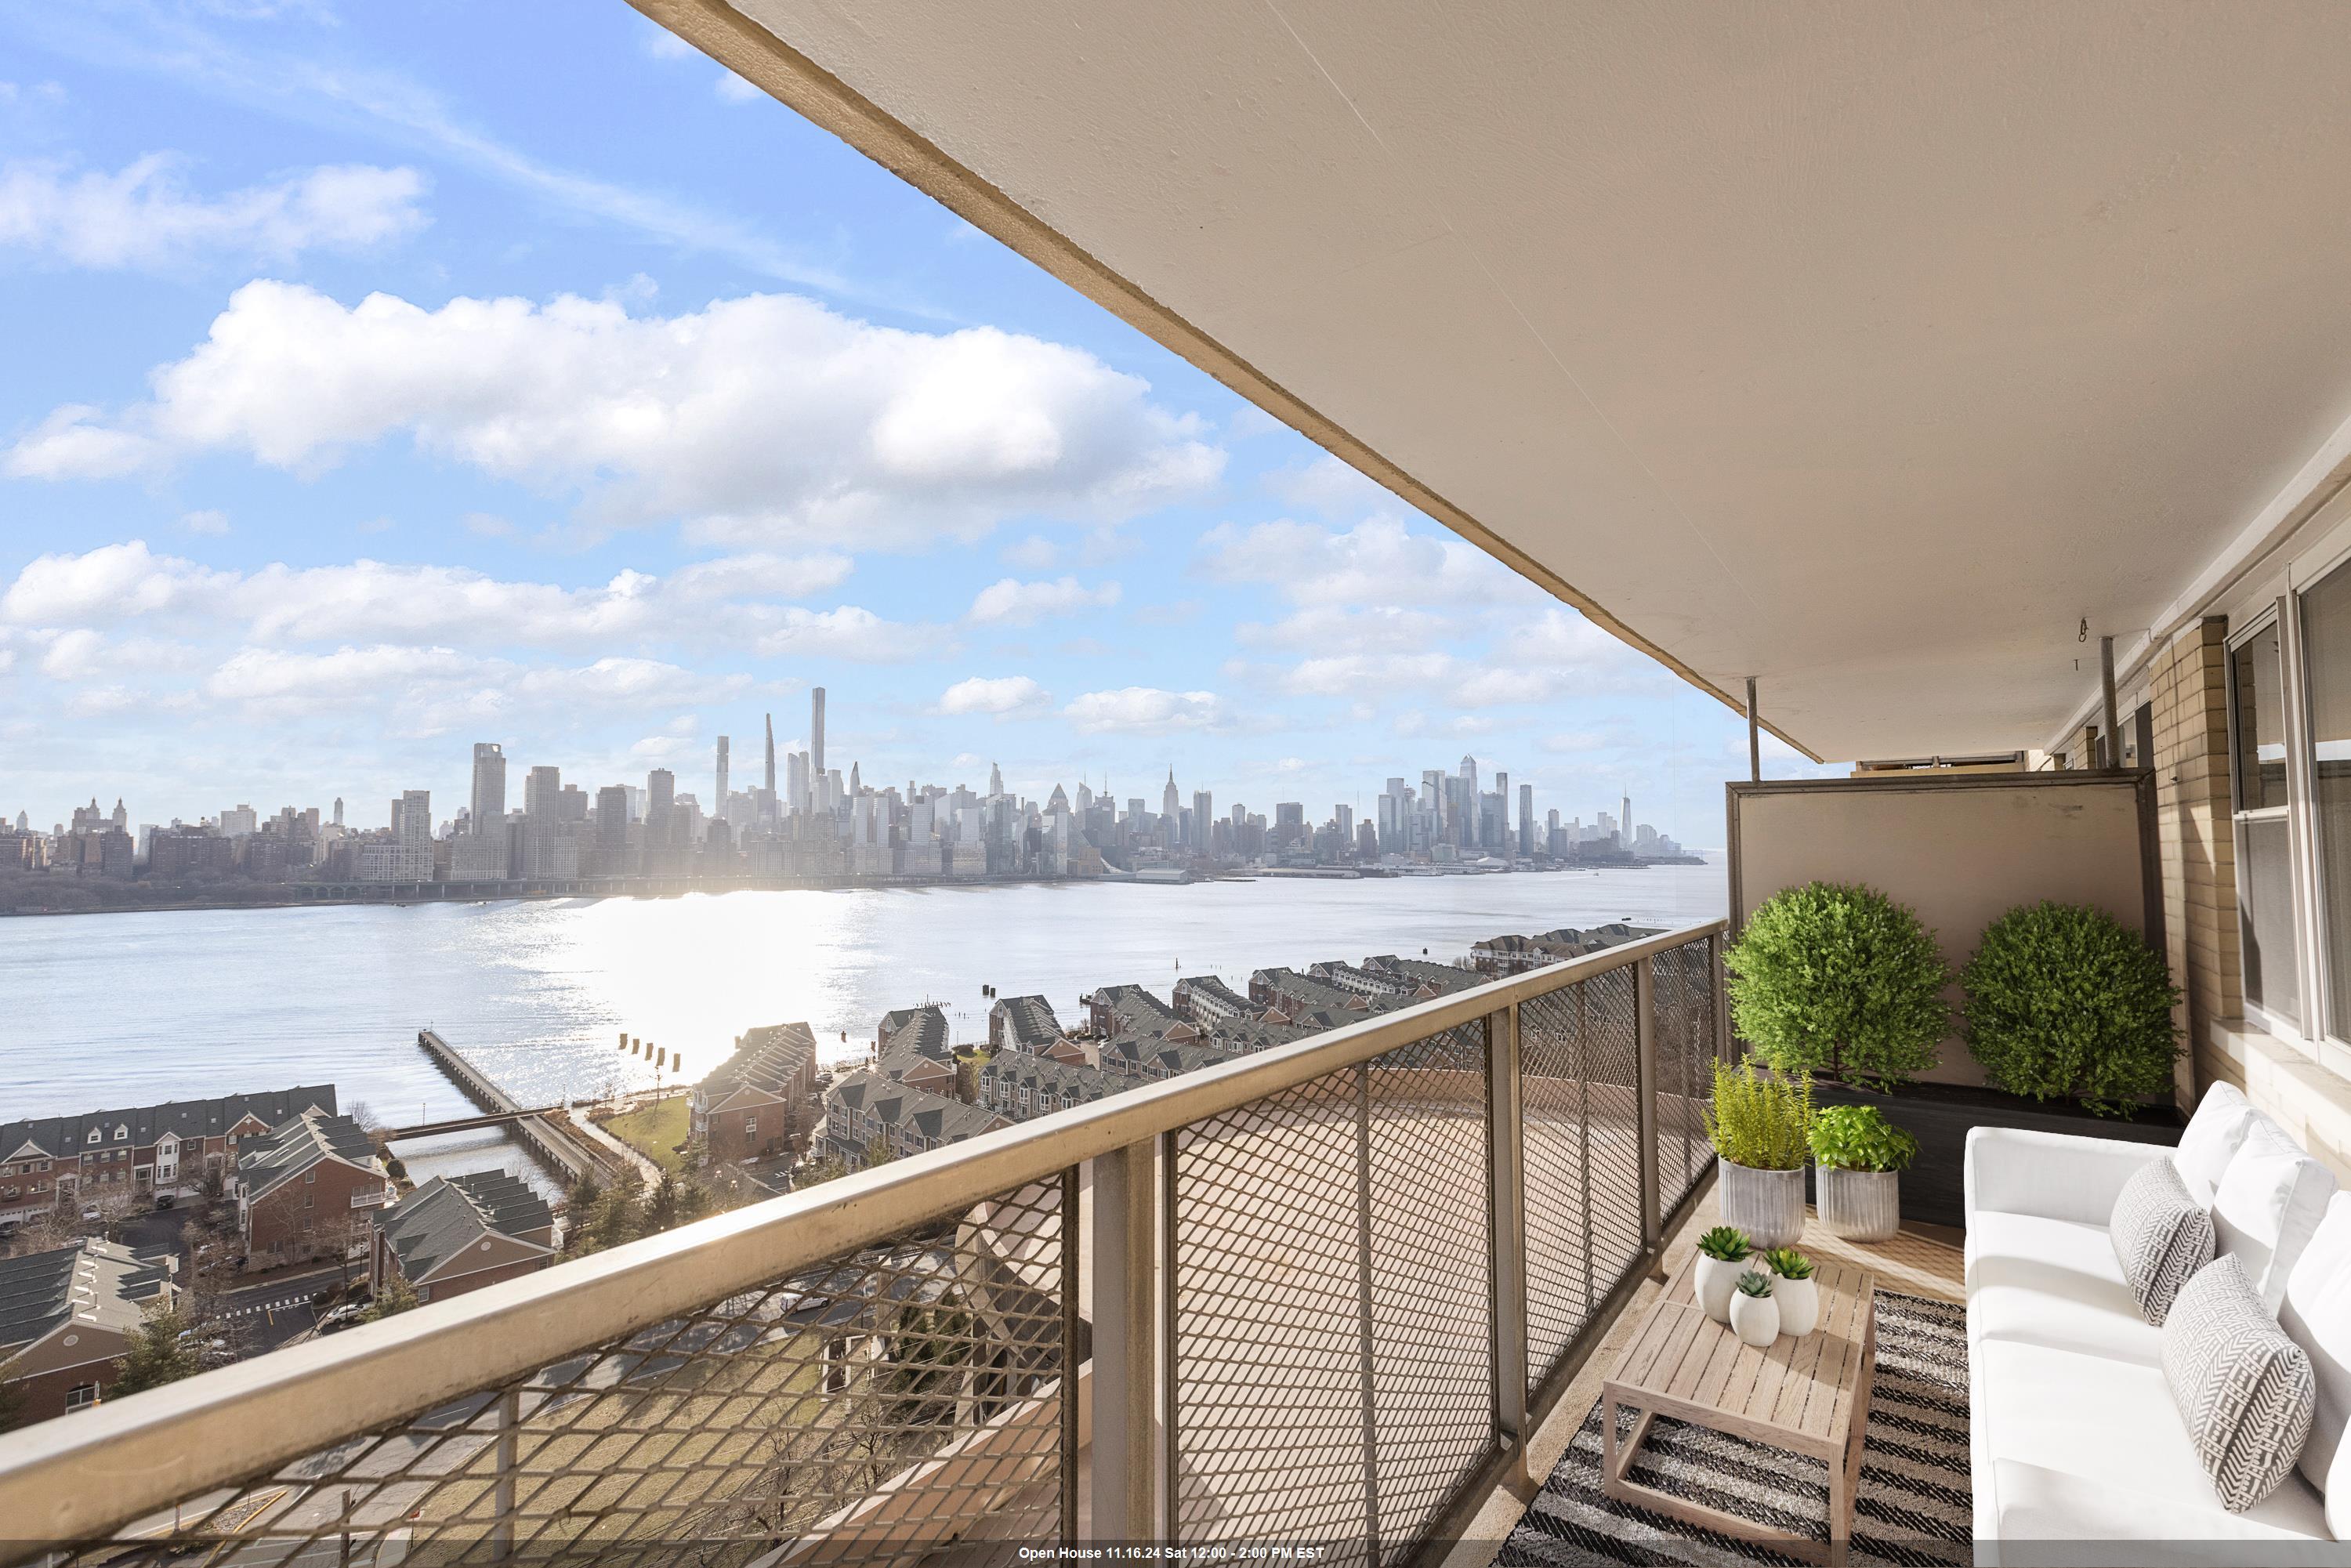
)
(757, 1101)
(460, 1233)
(1421, 979)
(926, 1026)
(1112, 1007)
(150, 1151)
(1144, 1057)
(1018, 1085)
(1513, 955)
(1205, 1000)
(308, 1188)
(919, 1053)
(866, 1107)
(65, 1315)
(1022, 1023)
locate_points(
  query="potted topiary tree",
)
(1838, 979)
(1858, 1159)
(1760, 1126)
(2063, 1003)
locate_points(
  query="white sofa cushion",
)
(2317, 1313)
(2110, 1433)
(2053, 1282)
(2213, 1137)
(2161, 1238)
(2268, 1206)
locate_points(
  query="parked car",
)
(338, 1319)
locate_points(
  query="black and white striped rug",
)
(1913, 1505)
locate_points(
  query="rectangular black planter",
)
(1939, 1115)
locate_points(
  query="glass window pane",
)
(2260, 723)
(2265, 907)
(2326, 618)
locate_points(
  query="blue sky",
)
(388, 378)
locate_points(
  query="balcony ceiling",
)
(1866, 348)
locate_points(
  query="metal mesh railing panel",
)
(1579, 1059)
(1686, 1051)
(1331, 1344)
(900, 1397)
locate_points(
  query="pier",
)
(566, 1155)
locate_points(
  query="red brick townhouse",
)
(459, 1233)
(65, 1315)
(152, 1150)
(308, 1188)
(744, 1109)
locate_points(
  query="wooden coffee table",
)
(1810, 1395)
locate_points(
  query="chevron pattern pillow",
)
(2161, 1236)
(2247, 1390)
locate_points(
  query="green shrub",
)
(1788, 1263)
(1754, 1284)
(1726, 1242)
(2063, 1003)
(1759, 1120)
(1860, 1138)
(1841, 981)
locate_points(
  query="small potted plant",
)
(1860, 1157)
(1793, 1287)
(1722, 1254)
(1754, 1313)
(1758, 1125)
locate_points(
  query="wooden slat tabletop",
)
(1798, 1393)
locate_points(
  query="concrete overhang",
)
(1872, 349)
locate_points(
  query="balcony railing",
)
(1321, 1295)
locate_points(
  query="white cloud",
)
(1327, 485)
(1378, 562)
(145, 216)
(733, 89)
(412, 605)
(1011, 602)
(440, 686)
(207, 521)
(848, 633)
(71, 655)
(1003, 695)
(758, 419)
(1336, 628)
(1036, 552)
(1145, 710)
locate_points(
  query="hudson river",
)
(125, 1010)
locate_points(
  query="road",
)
(275, 1310)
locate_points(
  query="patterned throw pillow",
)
(2246, 1391)
(2161, 1236)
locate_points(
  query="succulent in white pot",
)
(1722, 1256)
(1754, 1313)
(1760, 1126)
(1793, 1287)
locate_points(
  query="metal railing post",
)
(1506, 1162)
(1126, 1351)
(502, 1525)
(1644, 1096)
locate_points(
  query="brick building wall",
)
(299, 1218)
(2188, 701)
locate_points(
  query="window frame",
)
(2278, 616)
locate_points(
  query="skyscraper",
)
(771, 755)
(488, 805)
(1624, 826)
(816, 730)
(1170, 805)
(718, 809)
(1526, 819)
(1502, 811)
(661, 790)
(338, 812)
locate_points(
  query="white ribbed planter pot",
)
(1861, 1206)
(1766, 1205)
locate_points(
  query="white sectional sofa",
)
(2079, 1454)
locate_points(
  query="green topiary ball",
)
(2062, 1002)
(1838, 980)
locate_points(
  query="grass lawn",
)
(654, 1131)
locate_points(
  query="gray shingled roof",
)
(294, 1146)
(924, 1029)
(449, 1214)
(935, 1117)
(100, 1281)
(1208, 984)
(60, 1135)
(768, 1060)
(1138, 1008)
(1030, 1021)
(1042, 1075)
